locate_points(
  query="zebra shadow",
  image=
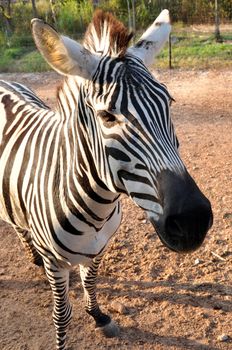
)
(205, 295)
(154, 339)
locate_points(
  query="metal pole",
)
(217, 22)
(170, 51)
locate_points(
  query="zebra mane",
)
(105, 35)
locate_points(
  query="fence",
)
(192, 41)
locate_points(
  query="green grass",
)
(22, 60)
(199, 51)
(31, 62)
(190, 50)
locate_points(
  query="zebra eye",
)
(107, 117)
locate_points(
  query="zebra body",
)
(40, 126)
(62, 172)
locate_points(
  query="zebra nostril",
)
(173, 226)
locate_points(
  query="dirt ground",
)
(172, 301)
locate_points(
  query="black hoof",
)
(38, 261)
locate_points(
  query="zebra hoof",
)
(110, 330)
(35, 259)
(38, 261)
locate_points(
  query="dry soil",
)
(173, 301)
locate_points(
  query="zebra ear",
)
(63, 54)
(152, 41)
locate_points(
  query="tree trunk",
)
(129, 15)
(34, 8)
(52, 3)
(6, 13)
(133, 15)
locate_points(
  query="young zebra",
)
(62, 172)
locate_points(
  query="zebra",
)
(63, 172)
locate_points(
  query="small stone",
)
(144, 221)
(150, 235)
(119, 307)
(227, 215)
(223, 337)
(137, 269)
(217, 307)
(73, 294)
(46, 304)
(197, 261)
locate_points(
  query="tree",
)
(6, 13)
(53, 12)
(34, 8)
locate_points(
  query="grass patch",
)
(199, 51)
(22, 60)
(31, 62)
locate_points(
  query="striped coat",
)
(63, 171)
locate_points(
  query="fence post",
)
(170, 51)
(217, 23)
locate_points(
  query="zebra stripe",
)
(62, 172)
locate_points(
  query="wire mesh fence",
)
(201, 34)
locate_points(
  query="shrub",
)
(73, 17)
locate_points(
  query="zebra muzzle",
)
(187, 214)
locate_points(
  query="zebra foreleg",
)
(62, 310)
(104, 324)
(31, 252)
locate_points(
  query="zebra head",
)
(126, 113)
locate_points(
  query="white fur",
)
(154, 39)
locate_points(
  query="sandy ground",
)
(173, 301)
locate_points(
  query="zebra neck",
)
(77, 163)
